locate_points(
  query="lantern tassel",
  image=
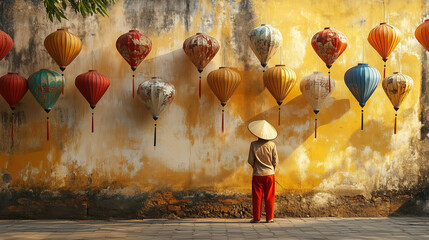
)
(133, 83)
(13, 114)
(199, 88)
(62, 75)
(279, 115)
(396, 115)
(92, 121)
(315, 127)
(154, 136)
(47, 128)
(223, 121)
(329, 80)
(361, 120)
(384, 74)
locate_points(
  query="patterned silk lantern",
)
(63, 48)
(201, 49)
(264, 41)
(315, 88)
(223, 83)
(46, 86)
(92, 85)
(397, 87)
(384, 39)
(13, 88)
(279, 80)
(156, 95)
(329, 44)
(422, 34)
(6, 44)
(362, 80)
(133, 47)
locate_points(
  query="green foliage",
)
(56, 8)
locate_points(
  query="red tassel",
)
(395, 122)
(361, 120)
(329, 80)
(133, 83)
(47, 128)
(223, 124)
(384, 75)
(12, 127)
(92, 122)
(154, 136)
(315, 128)
(279, 116)
(62, 90)
(200, 88)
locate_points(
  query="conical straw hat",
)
(262, 129)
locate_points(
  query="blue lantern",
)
(362, 80)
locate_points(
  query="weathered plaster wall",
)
(117, 172)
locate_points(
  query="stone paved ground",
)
(286, 228)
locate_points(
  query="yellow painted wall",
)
(192, 153)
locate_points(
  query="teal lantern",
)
(46, 87)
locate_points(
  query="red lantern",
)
(92, 85)
(6, 44)
(13, 88)
(329, 44)
(133, 47)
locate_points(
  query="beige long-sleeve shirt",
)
(263, 157)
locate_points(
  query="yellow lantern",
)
(279, 80)
(397, 87)
(223, 83)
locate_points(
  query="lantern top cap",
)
(280, 65)
(223, 67)
(133, 30)
(363, 64)
(198, 33)
(265, 24)
(316, 72)
(92, 70)
(383, 23)
(395, 72)
(155, 77)
(327, 28)
(63, 29)
(12, 73)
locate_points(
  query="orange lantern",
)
(63, 48)
(384, 39)
(279, 80)
(223, 83)
(422, 34)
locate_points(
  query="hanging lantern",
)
(92, 85)
(63, 48)
(6, 44)
(46, 86)
(329, 44)
(279, 80)
(156, 95)
(223, 83)
(315, 88)
(201, 49)
(384, 39)
(13, 88)
(397, 87)
(133, 47)
(264, 42)
(422, 35)
(362, 80)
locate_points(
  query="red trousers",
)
(263, 185)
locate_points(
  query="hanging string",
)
(281, 56)
(199, 88)
(315, 127)
(154, 136)
(93, 121)
(329, 79)
(279, 115)
(13, 114)
(133, 81)
(396, 115)
(361, 120)
(384, 74)
(384, 11)
(47, 127)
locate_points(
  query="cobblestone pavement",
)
(209, 228)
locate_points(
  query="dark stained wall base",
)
(199, 204)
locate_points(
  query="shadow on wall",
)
(417, 205)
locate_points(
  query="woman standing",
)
(263, 159)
